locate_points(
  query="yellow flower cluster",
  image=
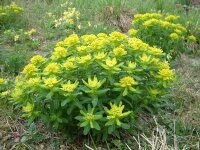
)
(10, 9)
(163, 31)
(69, 17)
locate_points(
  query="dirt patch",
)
(196, 3)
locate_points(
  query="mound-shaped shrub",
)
(92, 83)
(164, 31)
(9, 14)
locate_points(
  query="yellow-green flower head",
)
(164, 65)
(111, 62)
(117, 36)
(29, 70)
(84, 59)
(82, 48)
(33, 82)
(52, 68)
(100, 55)
(132, 32)
(93, 84)
(150, 22)
(88, 38)
(69, 65)
(100, 43)
(131, 65)
(145, 59)
(174, 36)
(28, 108)
(119, 51)
(192, 38)
(37, 59)
(179, 27)
(115, 114)
(51, 82)
(102, 35)
(59, 52)
(165, 24)
(17, 93)
(156, 51)
(166, 74)
(138, 45)
(2, 80)
(5, 93)
(154, 92)
(178, 31)
(72, 40)
(127, 82)
(171, 18)
(69, 87)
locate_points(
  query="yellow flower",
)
(29, 69)
(166, 74)
(154, 92)
(102, 35)
(171, 18)
(37, 59)
(111, 62)
(145, 59)
(156, 51)
(50, 82)
(84, 59)
(131, 65)
(69, 65)
(33, 82)
(28, 108)
(174, 36)
(5, 93)
(117, 36)
(82, 48)
(59, 52)
(52, 68)
(100, 55)
(69, 87)
(115, 114)
(119, 51)
(72, 40)
(88, 38)
(127, 82)
(132, 32)
(2, 80)
(94, 84)
(16, 38)
(164, 65)
(192, 38)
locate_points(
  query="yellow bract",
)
(29, 69)
(127, 82)
(93, 84)
(50, 82)
(166, 74)
(1, 81)
(59, 52)
(37, 59)
(111, 62)
(119, 51)
(69, 87)
(52, 68)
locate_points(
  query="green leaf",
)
(111, 129)
(96, 125)
(86, 130)
(125, 92)
(83, 124)
(80, 118)
(63, 103)
(125, 126)
(94, 101)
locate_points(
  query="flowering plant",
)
(97, 82)
(9, 14)
(162, 31)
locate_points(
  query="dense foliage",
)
(162, 31)
(93, 83)
(9, 14)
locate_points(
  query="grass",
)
(175, 126)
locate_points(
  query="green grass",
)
(178, 118)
